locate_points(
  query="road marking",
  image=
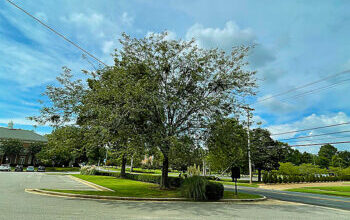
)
(92, 185)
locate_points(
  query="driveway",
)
(17, 204)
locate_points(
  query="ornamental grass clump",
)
(195, 188)
(88, 170)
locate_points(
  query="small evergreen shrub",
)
(214, 191)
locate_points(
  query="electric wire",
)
(57, 33)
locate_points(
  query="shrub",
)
(194, 170)
(88, 170)
(214, 191)
(195, 188)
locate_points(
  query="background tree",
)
(185, 153)
(345, 158)
(33, 149)
(265, 153)
(226, 142)
(325, 155)
(11, 148)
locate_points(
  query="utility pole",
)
(249, 158)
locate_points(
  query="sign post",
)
(235, 174)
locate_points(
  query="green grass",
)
(62, 169)
(131, 188)
(328, 190)
(238, 184)
(125, 188)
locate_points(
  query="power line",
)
(328, 126)
(315, 90)
(301, 137)
(301, 87)
(57, 33)
(317, 139)
(316, 144)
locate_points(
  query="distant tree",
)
(265, 153)
(226, 142)
(336, 161)
(185, 153)
(33, 149)
(294, 156)
(345, 158)
(306, 158)
(11, 147)
(327, 151)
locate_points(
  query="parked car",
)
(30, 169)
(41, 169)
(19, 168)
(5, 167)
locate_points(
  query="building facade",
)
(26, 137)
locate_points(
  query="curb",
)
(92, 185)
(70, 195)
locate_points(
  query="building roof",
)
(22, 135)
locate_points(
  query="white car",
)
(5, 167)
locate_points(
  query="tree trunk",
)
(164, 181)
(132, 163)
(122, 172)
(259, 175)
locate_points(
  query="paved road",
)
(306, 198)
(17, 204)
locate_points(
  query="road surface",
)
(17, 204)
(306, 198)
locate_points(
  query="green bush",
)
(214, 191)
(195, 188)
(88, 170)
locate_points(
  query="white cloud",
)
(42, 16)
(17, 121)
(93, 21)
(126, 19)
(229, 36)
(313, 121)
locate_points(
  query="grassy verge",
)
(131, 188)
(238, 184)
(330, 190)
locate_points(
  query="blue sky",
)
(296, 42)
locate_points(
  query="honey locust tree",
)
(183, 87)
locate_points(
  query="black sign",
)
(235, 172)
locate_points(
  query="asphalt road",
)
(17, 204)
(306, 198)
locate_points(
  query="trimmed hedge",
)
(214, 191)
(173, 181)
(273, 177)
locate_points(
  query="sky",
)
(296, 42)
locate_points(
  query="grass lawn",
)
(62, 169)
(328, 190)
(132, 188)
(238, 183)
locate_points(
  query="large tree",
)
(162, 90)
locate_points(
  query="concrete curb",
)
(90, 184)
(70, 195)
